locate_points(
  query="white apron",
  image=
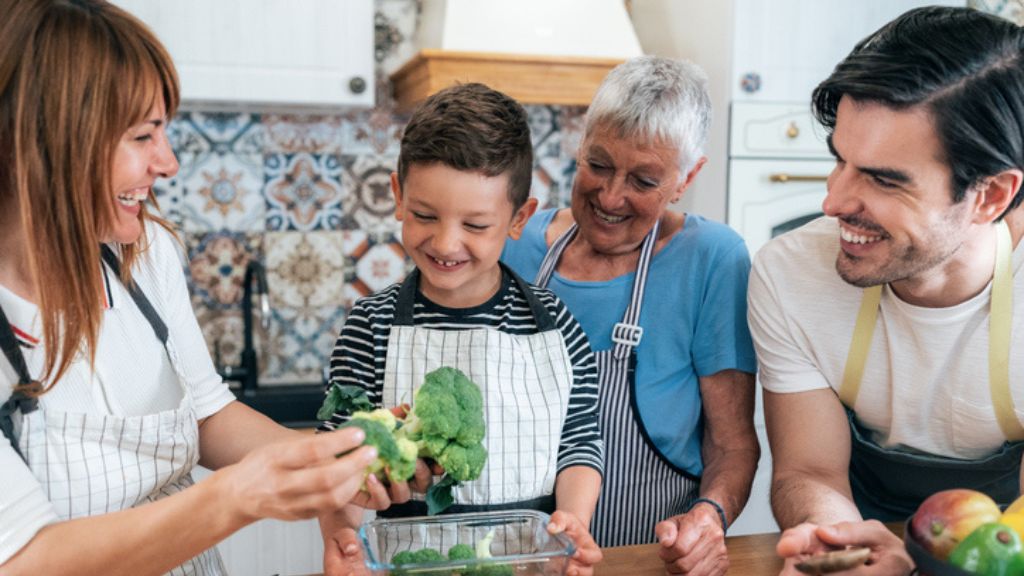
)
(525, 381)
(93, 464)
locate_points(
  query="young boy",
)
(461, 189)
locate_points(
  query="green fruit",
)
(992, 549)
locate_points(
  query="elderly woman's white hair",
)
(655, 99)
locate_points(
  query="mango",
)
(946, 518)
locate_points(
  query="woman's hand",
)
(297, 479)
(693, 543)
(888, 556)
(587, 552)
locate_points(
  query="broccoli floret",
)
(461, 552)
(463, 462)
(377, 435)
(405, 466)
(446, 422)
(423, 556)
(382, 415)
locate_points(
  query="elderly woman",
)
(662, 297)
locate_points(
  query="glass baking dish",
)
(519, 541)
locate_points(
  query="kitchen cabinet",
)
(291, 53)
(783, 48)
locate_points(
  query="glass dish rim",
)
(567, 550)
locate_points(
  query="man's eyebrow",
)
(832, 148)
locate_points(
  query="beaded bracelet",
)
(718, 508)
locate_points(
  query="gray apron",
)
(525, 381)
(92, 464)
(889, 484)
(641, 487)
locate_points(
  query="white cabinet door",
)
(791, 45)
(274, 52)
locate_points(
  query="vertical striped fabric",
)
(640, 489)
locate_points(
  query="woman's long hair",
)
(74, 76)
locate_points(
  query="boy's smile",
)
(454, 226)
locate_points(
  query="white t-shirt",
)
(925, 384)
(133, 375)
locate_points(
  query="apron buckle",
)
(628, 334)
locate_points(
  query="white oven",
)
(778, 164)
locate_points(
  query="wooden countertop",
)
(752, 555)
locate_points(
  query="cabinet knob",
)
(357, 85)
(792, 131)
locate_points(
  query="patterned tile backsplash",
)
(309, 197)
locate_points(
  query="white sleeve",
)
(784, 362)
(209, 390)
(24, 509)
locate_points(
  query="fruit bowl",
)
(928, 565)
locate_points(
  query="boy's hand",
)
(343, 555)
(693, 543)
(587, 552)
(378, 496)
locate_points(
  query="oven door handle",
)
(782, 177)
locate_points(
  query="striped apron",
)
(92, 464)
(525, 381)
(641, 487)
(889, 484)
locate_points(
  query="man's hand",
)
(888, 556)
(587, 552)
(693, 543)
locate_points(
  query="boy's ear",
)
(396, 189)
(520, 218)
(995, 194)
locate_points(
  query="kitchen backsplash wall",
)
(309, 197)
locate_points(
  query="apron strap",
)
(857, 357)
(999, 325)
(541, 316)
(159, 328)
(25, 396)
(625, 334)
(1000, 321)
(406, 299)
(405, 304)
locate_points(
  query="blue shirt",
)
(694, 318)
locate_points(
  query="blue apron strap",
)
(627, 334)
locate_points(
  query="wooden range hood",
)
(529, 78)
(536, 51)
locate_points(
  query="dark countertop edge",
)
(292, 405)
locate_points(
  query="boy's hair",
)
(655, 98)
(74, 76)
(964, 67)
(474, 128)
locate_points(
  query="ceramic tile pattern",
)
(308, 195)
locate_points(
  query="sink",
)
(292, 405)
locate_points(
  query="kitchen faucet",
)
(248, 372)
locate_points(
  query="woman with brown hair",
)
(109, 397)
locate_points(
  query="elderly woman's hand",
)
(693, 543)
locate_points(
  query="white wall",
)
(699, 31)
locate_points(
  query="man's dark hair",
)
(965, 67)
(474, 128)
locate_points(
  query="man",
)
(885, 380)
